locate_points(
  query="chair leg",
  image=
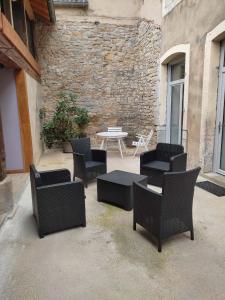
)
(136, 150)
(134, 225)
(159, 246)
(192, 234)
(41, 235)
(120, 148)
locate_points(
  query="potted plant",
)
(68, 121)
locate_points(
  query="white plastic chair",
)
(143, 141)
(114, 129)
(119, 140)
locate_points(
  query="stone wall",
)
(146, 74)
(111, 67)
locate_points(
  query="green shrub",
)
(68, 121)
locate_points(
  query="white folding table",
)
(119, 136)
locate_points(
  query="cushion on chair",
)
(157, 165)
(93, 164)
(165, 151)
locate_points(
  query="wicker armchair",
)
(168, 213)
(58, 203)
(165, 158)
(88, 164)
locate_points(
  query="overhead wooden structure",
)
(13, 52)
(43, 9)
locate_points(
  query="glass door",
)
(220, 133)
(175, 103)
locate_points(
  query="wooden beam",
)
(17, 171)
(0, 22)
(24, 119)
(41, 9)
(5, 61)
(29, 10)
(16, 42)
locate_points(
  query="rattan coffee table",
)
(116, 188)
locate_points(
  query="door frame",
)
(24, 120)
(220, 111)
(179, 82)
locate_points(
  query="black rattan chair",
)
(58, 203)
(88, 164)
(165, 158)
(168, 213)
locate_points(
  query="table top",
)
(122, 177)
(112, 135)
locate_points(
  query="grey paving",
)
(107, 260)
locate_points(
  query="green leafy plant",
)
(68, 120)
(82, 119)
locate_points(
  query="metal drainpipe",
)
(51, 10)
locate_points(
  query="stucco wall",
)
(112, 67)
(147, 51)
(168, 5)
(195, 20)
(34, 102)
(115, 8)
(125, 10)
(10, 120)
(151, 10)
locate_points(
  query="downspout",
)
(51, 10)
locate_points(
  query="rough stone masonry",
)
(111, 67)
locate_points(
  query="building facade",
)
(191, 102)
(20, 88)
(106, 52)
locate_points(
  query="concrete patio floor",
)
(107, 260)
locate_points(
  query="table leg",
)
(124, 146)
(120, 148)
(102, 144)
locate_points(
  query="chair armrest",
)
(59, 194)
(141, 136)
(146, 199)
(79, 159)
(79, 166)
(148, 156)
(55, 176)
(99, 155)
(178, 162)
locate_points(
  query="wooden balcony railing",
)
(13, 48)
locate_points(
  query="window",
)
(6, 9)
(19, 19)
(176, 72)
(30, 38)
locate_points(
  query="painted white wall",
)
(168, 5)
(115, 12)
(115, 8)
(152, 10)
(10, 120)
